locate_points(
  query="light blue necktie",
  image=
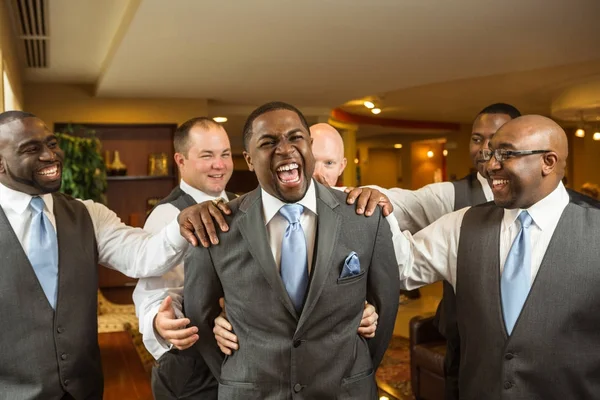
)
(515, 282)
(294, 267)
(43, 249)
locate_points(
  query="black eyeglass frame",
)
(503, 154)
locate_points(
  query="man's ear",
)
(549, 163)
(248, 160)
(344, 164)
(2, 168)
(179, 159)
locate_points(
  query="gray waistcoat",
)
(554, 350)
(45, 353)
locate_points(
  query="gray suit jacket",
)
(317, 354)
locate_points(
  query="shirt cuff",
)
(153, 342)
(174, 236)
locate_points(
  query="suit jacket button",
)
(60, 329)
(297, 387)
(509, 356)
(66, 382)
(508, 385)
(63, 356)
(297, 343)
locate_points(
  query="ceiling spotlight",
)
(376, 110)
(384, 398)
(445, 152)
(220, 120)
(398, 146)
(369, 104)
(596, 136)
(430, 154)
(356, 161)
(580, 132)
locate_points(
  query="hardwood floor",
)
(124, 376)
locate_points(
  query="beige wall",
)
(423, 168)
(383, 168)
(76, 103)
(457, 161)
(8, 53)
(584, 159)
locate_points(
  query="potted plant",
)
(84, 172)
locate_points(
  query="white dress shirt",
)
(132, 251)
(276, 224)
(416, 209)
(431, 254)
(150, 292)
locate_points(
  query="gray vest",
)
(181, 199)
(45, 353)
(554, 349)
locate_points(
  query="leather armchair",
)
(427, 352)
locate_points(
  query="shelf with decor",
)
(132, 194)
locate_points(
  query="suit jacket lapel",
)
(253, 229)
(328, 225)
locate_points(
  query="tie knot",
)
(525, 219)
(291, 212)
(37, 204)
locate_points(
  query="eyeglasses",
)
(503, 154)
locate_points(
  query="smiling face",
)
(279, 152)
(523, 180)
(30, 159)
(208, 164)
(328, 150)
(484, 127)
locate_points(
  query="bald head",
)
(523, 179)
(328, 149)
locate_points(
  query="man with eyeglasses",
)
(524, 273)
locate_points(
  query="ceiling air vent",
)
(31, 22)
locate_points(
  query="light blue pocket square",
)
(351, 266)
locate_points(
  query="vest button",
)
(509, 356)
(66, 382)
(508, 385)
(297, 387)
(297, 343)
(63, 356)
(60, 329)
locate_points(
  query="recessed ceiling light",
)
(430, 154)
(220, 120)
(398, 146)
(596, 136)
(580, 133)
(445, 152)
(376, 110)
(369, 104)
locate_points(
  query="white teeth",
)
(497, 182)
(49, 171)
(287, 167)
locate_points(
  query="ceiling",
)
(433, 60)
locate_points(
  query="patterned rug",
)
(393, 375)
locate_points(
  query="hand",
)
(368, 199)
(173, 329)
(226, 339)
(368, 324)
(196, 222)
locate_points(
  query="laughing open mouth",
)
(289, 173)
(50, 172)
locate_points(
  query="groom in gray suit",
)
(295, 268)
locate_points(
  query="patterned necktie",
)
(515, 281)
(43, 249)
(294, 267)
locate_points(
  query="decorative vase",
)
(117, 167)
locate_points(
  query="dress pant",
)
(183, 377)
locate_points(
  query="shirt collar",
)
(272, 204)
(545, 212)
(485, 185)
(199, 195)
(19, 201)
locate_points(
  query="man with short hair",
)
(520, 267)
(298, 253)
(51, 245)
(328, 149)
(203, 157)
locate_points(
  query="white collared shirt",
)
(150, 292)
(276, 224)
(431, 254)
(128, 250)
(416, 209)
